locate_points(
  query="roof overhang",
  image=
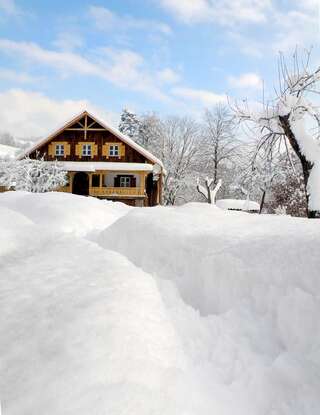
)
(127, 140)
(92, 166)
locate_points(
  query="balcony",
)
(116, 192)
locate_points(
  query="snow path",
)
(106, 309)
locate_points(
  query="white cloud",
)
(206, 98)
(65, 61)
(19, 77)
(297, 27)
(247, 45)
(225, 12)
(107, 20)
(9, 7)
(287, 23)
(246, 80)
(68, 41)
(28, 114)
(123, 68)
(168, 76)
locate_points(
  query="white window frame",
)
(59, 149)
(125, 181)
(114, 150)
(86, 150)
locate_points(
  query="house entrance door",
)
(80, 185)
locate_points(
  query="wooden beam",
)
(82, 129)
(91, 124)
(85, 126)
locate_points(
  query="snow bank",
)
(254, 280)
(71, 334)
(63, 212)
(237, 204)
(199, 312)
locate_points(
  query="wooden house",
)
(102, 162)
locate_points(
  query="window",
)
(59, 150)
(86, 149)
(96, 180)
(114, 150)
(124, 181)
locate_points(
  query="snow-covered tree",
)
(219, 145)
(7, 139)
(210, 190)
(129, 124)
(150, 133)
(177, 148)
(258, 173)
(32, 175)
(287, 120)
(288, 191)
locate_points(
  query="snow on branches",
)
(282, 121)
(31, 175)
(208, 192)
(129, 124)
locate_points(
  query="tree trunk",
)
(306, 164)
(262, 201)
(209, 193)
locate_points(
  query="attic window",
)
(86, 150)
(59, 150)
(114, 150)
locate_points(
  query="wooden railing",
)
(116, 191)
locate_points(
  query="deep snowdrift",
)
(199, 311)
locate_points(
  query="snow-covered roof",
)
(8, 151)
(103, 165)
(237, 204)
(105, 125)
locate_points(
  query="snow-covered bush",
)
(32, 175)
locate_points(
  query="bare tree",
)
(282, 122)
(209, 192)
(178, 148)
(258, 173)
(219, 145)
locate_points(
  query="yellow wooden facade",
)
(110, 192)
(52, 148)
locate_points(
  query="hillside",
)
(107, 309)
(8, 151)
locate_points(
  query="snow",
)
(107, 309)
(8, 152)
(96, 165)
(310, 147)
(298, 108)
(237, 204)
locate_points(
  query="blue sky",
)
(168, 56)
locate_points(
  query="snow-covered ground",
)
(107, 309)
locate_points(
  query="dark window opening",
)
(96, 180)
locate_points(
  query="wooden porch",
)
(100, 189)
